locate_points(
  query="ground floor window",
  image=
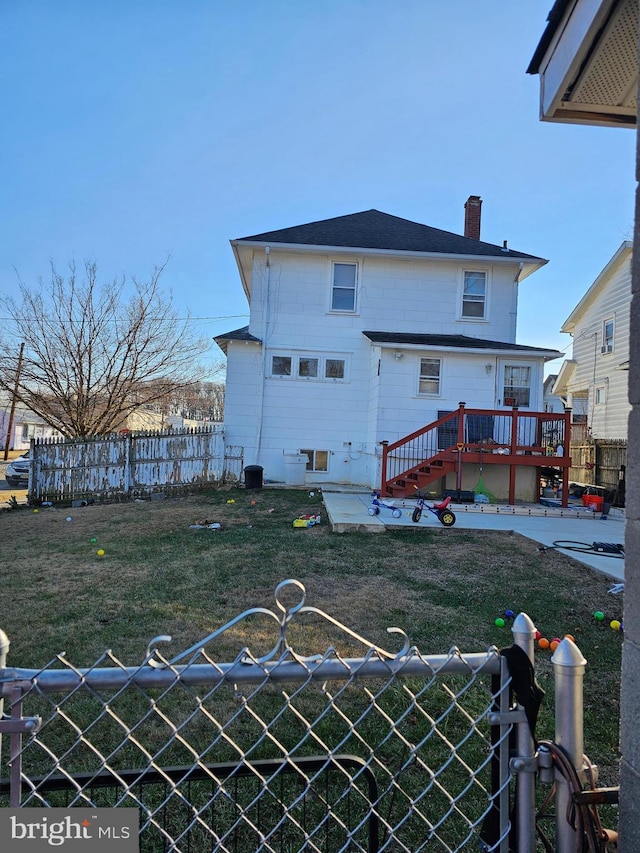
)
(318, 459)
(429, 382)
(321, 368)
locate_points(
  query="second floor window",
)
(607, 335)
(474, 295)
(343, 293)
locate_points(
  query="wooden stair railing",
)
(519, 438)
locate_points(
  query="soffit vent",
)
(610, 75)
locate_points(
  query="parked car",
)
(17, 472)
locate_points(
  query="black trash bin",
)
(253, 477)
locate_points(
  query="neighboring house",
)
(552, 402)
(364, 328)
(587, 59)
(594, 380)
(26, 425)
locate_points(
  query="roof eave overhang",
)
(574, 58)
(621, 255)
(561, 385)
(547, 355)
(530, 264)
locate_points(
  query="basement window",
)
(318, 460)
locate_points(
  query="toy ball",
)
(69, 518)
(543, 643)
(615, 624)
(499, 622)
(231, 501)
(508, 614)
(538, 635)
(553, 645)
(100, 552)
(598, 616)
(556, 640)
(93, 539)
(570, 637)
(253, 503)
(35, 510)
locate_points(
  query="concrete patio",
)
(348, 511)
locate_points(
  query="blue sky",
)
(134, 130)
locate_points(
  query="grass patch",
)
(444, 588)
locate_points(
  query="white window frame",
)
(334, 287)
(468, 318)
(505, 397)
(308, 377)
(427, 378)
(284, 357)
(322, 359)
(312, 454)
(600, 395)
(608, 336)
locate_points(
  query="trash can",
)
(253, 477)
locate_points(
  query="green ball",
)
(598, 616)
(499, 622)
(93, 539)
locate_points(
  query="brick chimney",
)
(472, 212)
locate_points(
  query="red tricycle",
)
(440, 509)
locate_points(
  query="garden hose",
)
(603, 549)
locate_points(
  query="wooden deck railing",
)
(514, 438)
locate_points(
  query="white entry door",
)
(514, 385)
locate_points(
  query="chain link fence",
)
(384, 751)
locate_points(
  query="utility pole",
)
(13, 403)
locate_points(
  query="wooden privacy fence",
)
(599, 462)
(132, 465)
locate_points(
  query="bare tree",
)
(203, 400)
(92, 354)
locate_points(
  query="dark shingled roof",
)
(242, 334)
(457, 341)
(373, 229)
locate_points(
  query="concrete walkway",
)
(349, 511)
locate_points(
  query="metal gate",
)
(395, 751)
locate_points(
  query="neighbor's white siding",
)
(603, 377)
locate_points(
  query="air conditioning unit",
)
(607, 348)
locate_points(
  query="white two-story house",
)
(364, 328)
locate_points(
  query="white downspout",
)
(263, 371)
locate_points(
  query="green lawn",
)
(158, 575)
